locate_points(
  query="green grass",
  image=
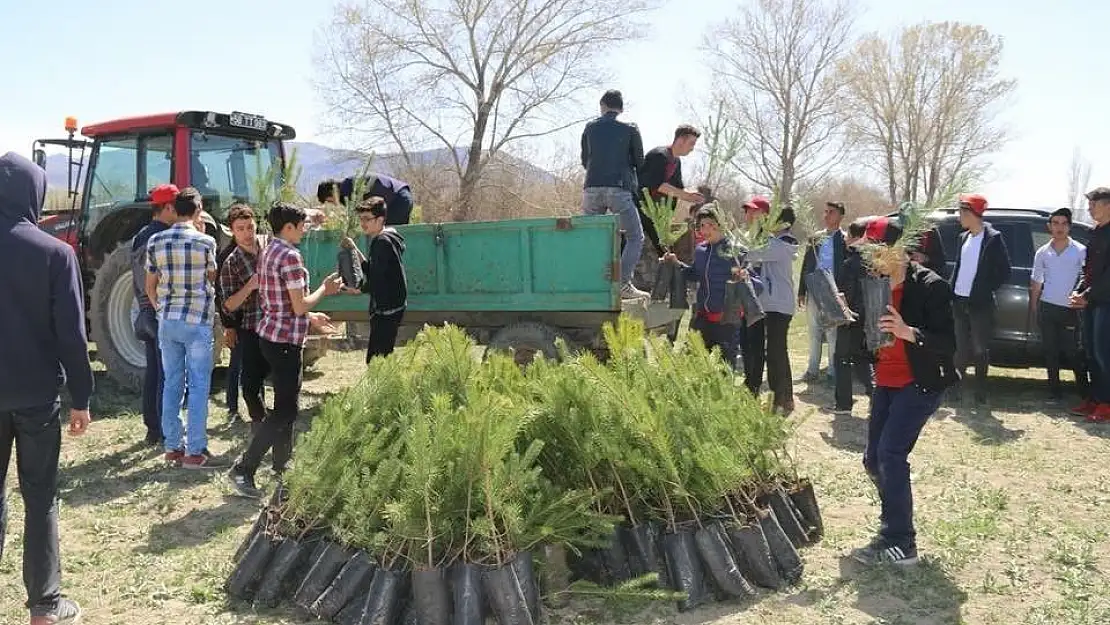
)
(1011, 516)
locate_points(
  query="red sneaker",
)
(202, 461)
(1085, 409)
(174, 457)
(1101, 414)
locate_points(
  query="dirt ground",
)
(1011, 510)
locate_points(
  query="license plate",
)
(246, 120)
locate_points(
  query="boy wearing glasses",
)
(383, 276)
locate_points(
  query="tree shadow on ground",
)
(923, 594)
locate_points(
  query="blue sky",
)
(71, 57)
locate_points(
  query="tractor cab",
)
(229, 158)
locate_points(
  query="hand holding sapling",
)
(894, 324)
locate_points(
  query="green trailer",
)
(516, 284)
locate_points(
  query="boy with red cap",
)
(146, 323)
(982, 266)
(910, 377)
(1093, 296)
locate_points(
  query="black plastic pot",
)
(684, 570)
(383, 604)
(431, 597)
(720, 563)
(643, 550)
(664, 277)
(512, 592)
(786, 557)
(244, 578)
(326, 562)
(288, 556)
(876, 297)
(259, 523)
(830, 308)
(353, 580)
(616, 559)
(753, 556)
(589, 565)
(804, 499)
(349, 268)
(678, 299)
(466, 592)
(789, 518)
(742, 303)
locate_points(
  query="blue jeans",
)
(186, 358)
(234, 371)
(598, 201)
(1096, 341)
(897, 417)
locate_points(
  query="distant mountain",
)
(319, 162)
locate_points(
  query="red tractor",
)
(229, 158)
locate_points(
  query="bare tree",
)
(922, 106)
(483, 74)
(776, 62)
(721, 144)
(860, 198)
(1079, 177)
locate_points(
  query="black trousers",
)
(851, 358)
(383, 334)
(1061, 332)
(253, 372)
(719, 335)
(754, 352)
(146, 330)
(276, 432)
(36, 434)
(399, 210)
(779, 377)
(974, 327)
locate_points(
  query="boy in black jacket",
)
(384, 276)
(910, 377)
(982, 267)
(850, 354)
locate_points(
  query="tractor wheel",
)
(112, 312)
(527, 339)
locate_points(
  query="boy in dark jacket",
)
(982, 267)
(715, 263)
(1092, 295)
(384, 276)
(42, 347)
(850, 353)
(910, 377)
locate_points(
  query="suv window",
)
(126, 170)
(1042, 237)
(1016, 234)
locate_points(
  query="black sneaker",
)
(244, 485)
(65, 612)
(878, 551)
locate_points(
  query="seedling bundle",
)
(440, 489)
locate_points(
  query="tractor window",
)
(233, 169)
(126, 170)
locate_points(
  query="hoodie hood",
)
(394, 238)
(22, 189)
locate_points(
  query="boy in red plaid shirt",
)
(282, 331)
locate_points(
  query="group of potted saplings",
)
(447, 489)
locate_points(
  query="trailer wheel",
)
(527, 339)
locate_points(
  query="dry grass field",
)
(1012, 513)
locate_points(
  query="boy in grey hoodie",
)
(775, 264)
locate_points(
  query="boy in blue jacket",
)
(716, 261)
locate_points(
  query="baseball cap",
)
(883, 230)
(758, 203)
(1099, 194)
(974, 202)
(163, 194)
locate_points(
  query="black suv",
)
(1017, 339)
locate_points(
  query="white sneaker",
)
(628, 291)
